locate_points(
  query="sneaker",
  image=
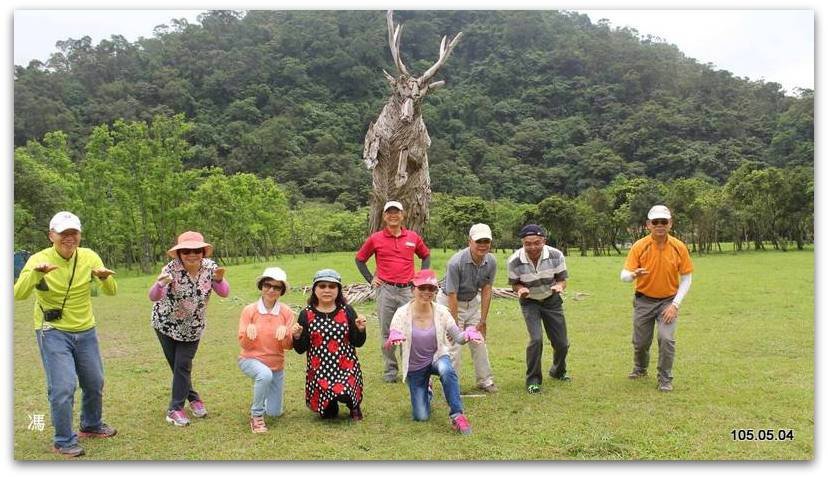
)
(665, 386)
(257, 424)
(103, 431)
(177, 418)
(490, 388)
(533, 388)
(637, 373)
(562, 378)
(71, 450)
(356, 414)
(198, 408)
(461, 424)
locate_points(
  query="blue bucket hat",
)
(327, 275)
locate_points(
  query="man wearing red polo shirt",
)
(394, 247)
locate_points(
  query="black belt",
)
(398, 285)
(640, 295)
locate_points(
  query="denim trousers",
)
(179, 356)
(418, 387)
(70, 358)
(268, 387)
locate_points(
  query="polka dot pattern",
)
(332, 365)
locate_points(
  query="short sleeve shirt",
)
(550, 269)
(465, 278)
(664, 263)
(394, 255)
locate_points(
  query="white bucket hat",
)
(275, 273)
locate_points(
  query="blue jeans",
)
(418, 387)
(268, 387)
(70, 358)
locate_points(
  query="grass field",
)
(744, 360)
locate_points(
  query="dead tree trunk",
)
(396, 144)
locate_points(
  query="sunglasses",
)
(427, 288)
(187, 252)
(326, 285)
(659, 222)
(271, 285)
(483, 241)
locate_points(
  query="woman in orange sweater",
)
(264, 335)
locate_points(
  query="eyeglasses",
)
(427, 288)
(326, 285)
(659, 222)
(483, 241)
(271, 285)
(187, 252)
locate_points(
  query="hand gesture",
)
(471, 334)
(251, 331)
(395, 337)
(360, 323)
(376, 282)
(557, 288)
(164, 278)
(296, 330)
(218, 274)
(102, 273)
(45, 268)
(641, 271)
(523, 292)
(669, 313)
(281, 332)
(481, 327)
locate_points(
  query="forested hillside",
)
(243, 124)
(540, 94)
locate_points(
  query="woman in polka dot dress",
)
(329, 330)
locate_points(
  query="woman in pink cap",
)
(420, 328)
(180, 296)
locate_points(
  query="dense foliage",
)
(247, 124)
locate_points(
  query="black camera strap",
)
(69, 287)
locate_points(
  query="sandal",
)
(533, 388)
(257, 424)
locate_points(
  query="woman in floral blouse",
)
(180, 296)
(329, 331)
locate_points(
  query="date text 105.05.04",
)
(762, 434)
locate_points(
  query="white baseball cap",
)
(275, 273)
(480, 231)
(64, 220)
(659, 212)
(391, 204)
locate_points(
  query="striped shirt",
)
(551, 268)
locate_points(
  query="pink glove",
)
(471, 333)
(394, 337)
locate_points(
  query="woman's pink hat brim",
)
(191, 240)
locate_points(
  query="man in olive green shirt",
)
(62, 278)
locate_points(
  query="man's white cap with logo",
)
(64, 220)
(659, 212)
(391, 204)
(480, 231)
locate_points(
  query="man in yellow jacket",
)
(63, 277)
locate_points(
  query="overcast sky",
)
(774, 45)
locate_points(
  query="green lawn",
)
(744, 360)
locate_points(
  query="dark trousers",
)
(332, 410)
(180, 358)
(548, 312)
